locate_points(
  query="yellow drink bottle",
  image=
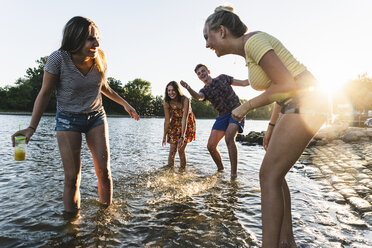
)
(20, 148)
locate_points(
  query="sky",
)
(160, 41)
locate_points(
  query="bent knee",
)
(270, 178)
(211, 147)
(230, 141)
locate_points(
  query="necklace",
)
(174, 105)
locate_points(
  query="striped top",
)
(75, 93)
(256, 47)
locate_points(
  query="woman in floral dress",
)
(179, 123)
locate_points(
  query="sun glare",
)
(330, 87)
(341, 111)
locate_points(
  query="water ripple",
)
(154, 206)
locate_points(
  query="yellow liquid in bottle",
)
(19, 155)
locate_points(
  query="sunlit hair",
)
(200, 65)
(176, 87)
(225, 16)
(75, 33)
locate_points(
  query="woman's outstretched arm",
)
(110, 93)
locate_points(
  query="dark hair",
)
(176, 87)
(225, 16)
(200, 65)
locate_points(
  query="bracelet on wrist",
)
(271, 124)
(32, 128)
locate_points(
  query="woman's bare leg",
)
(286, 231)
(69, 144)
(172, 155)
(289, 139)
(98, 143)
(182, 155)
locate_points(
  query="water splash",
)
(176, 186)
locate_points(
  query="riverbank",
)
(24, 113)
(340, 158)
(53, 114)
(345, 171)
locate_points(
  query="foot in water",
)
(285, 244)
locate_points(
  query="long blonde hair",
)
(75, 33)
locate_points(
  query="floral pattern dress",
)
(175, 126)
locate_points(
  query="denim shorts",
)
(222, 122)
(79, 122)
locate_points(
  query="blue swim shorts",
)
(79, 122)
(222, 122)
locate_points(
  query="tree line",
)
(21, 97)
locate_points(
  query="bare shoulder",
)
(185, 99)
(166, 104)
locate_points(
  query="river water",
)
(152, 206)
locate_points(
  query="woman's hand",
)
(164, 141)
(181, 141)
(132, 112)
(28, 132)
(240, 112)
(266, 139)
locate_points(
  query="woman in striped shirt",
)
(77, 72)
(285, 81)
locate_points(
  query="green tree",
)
(261, 113)
(203, 109)
(34, 76)
(3, 99)
(112, 107)
(22, 96)
(19, 97)
(157, 106)
(138, 94)
(34, 79)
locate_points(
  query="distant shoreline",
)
(110, 115)
(23, 113)
(53, 114)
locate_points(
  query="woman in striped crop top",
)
(77, 72)
(285, 81)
